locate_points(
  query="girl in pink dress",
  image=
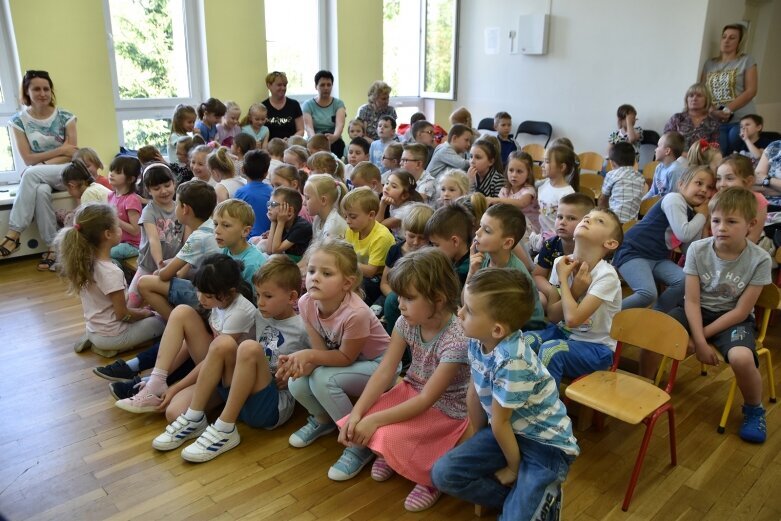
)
(423, 416)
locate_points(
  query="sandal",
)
(47, 262)
(5, 252)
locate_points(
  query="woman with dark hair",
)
(45, 137)
(325, 114)
(731, 80)
(284, 114)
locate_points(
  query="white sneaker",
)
(179, 431)
(211, 444)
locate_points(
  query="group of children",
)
(305, 281)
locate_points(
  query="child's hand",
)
(472, 174)
(631, 119)
(476, 258)
(506, 476)
(364, 431)
(167, 396)
(703, 208)
(281, 383)
(387, 200)
(582, 281)
(348, 430)
(706, 354)
(282, 213)
(565, 267)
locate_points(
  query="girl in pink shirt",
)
(737, 170)
(123, 173)
(348, 343)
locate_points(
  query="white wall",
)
(601, 53)
(765, 42)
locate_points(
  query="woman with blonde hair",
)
(285, 118)
(378, 106)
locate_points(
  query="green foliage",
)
(391, 9)
(439, 38)
(140, 132)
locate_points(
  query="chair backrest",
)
(486, 124)
(535, 150)
(536, 128)
(651, 330)
(539, 177)
(774, 136)
(591, 161)
(768, 300)
(648, 171)
(646, 204)
(628, 225)
(593, 181)
(650, 137)
(585, 190)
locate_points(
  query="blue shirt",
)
(257, 194)
(207, 133)
(515, 377)
(665, 179)
(252, 259)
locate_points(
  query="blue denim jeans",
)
(564, 357)
(729, 137)
(642, 275)
(123, 251)
(467, 472)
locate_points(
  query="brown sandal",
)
(5, 252)
(48, 260)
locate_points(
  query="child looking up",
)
(209, 114)
(453, 184)
(452, 154)
(243, 373)
(560, 164)
(424, 414)
(229, 126)
(256, 192)
(628, 131)
(223, 170)
(451, 229)
(84, 250)
(123, 173)
(519, 190)
(668, 171)
(182, 125)
(578, 340)
(725, 274)
(289, 232)
(386, 133)
(572, 209)
(348, 343)
(485, 167)
(523, 444)
(503, 125)
(254, 124)
(502, 226)
(623, 187)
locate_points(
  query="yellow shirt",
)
(373, 249)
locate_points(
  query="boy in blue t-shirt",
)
(256, 192)
(523, 444)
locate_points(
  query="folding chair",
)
(647, 204)
(535, 128)
(628, 397)
(486, 124)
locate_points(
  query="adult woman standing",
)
(731, 80)
(284, 114)
(45, 137)
(370, 113)
(325, 114)
(695, 122)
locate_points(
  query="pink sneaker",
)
(421, 498)
(381, 471)
(141, 402)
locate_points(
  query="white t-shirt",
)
(98, 308)
(548, 198)
(232, 184)
(238, 317)
(95, 193)
(606, 286)
(334, 227)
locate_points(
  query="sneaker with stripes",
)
(179, 431)
(211, 444)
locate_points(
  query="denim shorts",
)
(182, 291)
(741, 334)
(261, 410)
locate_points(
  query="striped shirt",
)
(514, 376)
(491, 184)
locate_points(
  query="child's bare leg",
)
(218, 365)
(155, 292)
(251, 374)
(741, 359)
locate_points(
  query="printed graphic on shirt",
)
(272, 339)
(727, 285)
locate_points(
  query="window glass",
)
(293, 42)
(140, 132)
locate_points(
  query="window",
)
(295, 42)
(419, 48)
(156, 57)
(10, 162)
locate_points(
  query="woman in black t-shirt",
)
(284, 114)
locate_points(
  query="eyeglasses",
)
(36, 74)
(386, 158)
(406, 160)
(429, 131)
(273, 204)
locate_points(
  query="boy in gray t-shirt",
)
(725, 274)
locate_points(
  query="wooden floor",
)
(67, 453)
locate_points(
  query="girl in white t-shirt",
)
(223, 170)
(562, 176)
(399, 192)
(322, 198)
(84, 252)
(227, 297)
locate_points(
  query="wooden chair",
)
(648, 171)
(537, 170)
(585, 190)
(628, 397)
(535, 150)
(646, 205)
(593, 181)
(778, 261)
(591, 161)
(628, 225)
(768, 300)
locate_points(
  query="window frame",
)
(10, 79)
(163, 108)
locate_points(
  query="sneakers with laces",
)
(179, 431)
(144, 401)
(210, 444)
(124, 389)
(115, 371)
(350, 463)
(754, 428)
(307, 434)
(381, 471)
(421, 498)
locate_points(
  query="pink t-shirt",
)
(531, 210)
(352, 320)
(761, 201)
(123, 204)
(98, 309)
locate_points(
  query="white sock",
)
(224, 426)
(156, 384)
(134, 364)
(193, 415)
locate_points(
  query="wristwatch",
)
(766, 181)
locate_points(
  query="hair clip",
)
(77, 227)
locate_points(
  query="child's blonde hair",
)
(231, 105)
(326, 186)
(255, 107)
(88, 156)
(181, 111)
(504, 294)
(475, 203)
(416, 218)
(221, 161)
(459, 177)
(357, 123)
(345, 257)
(692, 171)
(296, 141)
(362, 198)
(366, 171)
(77, 245)
(326, 163)
(702, 153)
(740, 164)
(394, 151)
(735, 200)
(461, 116)
(301, 153)
(276, 147)
(430, 273)
(563, 142)
(281, 270)
(292, 175)
(527, 160)
(318, 143)
(236, 209)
